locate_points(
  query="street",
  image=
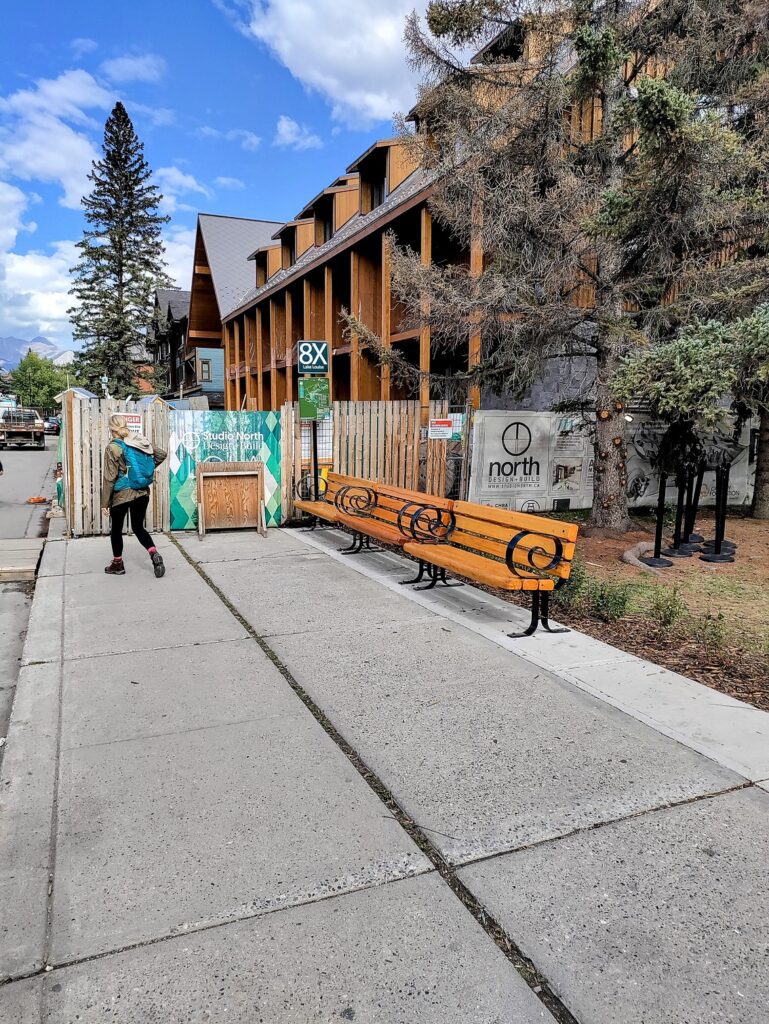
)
(27, 472)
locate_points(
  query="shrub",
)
(666, 606)
(710, 629)
(608, 601)
(573, 592)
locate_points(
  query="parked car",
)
(22, 426)
(53, 425)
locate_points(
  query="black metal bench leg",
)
(544, 615)
(432, 572)
(418, 578)
(367, 544)
(447, 583)
(357, 539)
(535, 616)
(310, 529)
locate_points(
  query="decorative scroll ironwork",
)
(356, 500)
(426, 522)
(538, 571)
(305, 488)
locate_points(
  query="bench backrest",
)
(417, 516)
(532, 546)
(336, 483)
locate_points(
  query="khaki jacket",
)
(114, 467)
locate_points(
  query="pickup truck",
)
(21, 426)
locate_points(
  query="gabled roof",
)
(229, 241)
(418, 182)
(173, 301)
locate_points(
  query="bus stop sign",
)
(312, 357)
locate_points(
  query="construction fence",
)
(382, 441)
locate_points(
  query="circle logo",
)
(516, 439)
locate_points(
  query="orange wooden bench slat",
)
(475, 567)
(498, 520)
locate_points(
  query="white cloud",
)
(34, 286)
(36, 141)
(148, 67)
(67, 96)
(291, 135)
(161, 117)
(175, 183)
(233, 183)
(350, 51)
(81, 46)
(248, 140)
(180, 249)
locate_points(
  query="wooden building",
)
(221, 275)
(333, 256)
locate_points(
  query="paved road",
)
(28, 471)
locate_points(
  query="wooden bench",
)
(504, 550)
(323, 505)
(391, 515)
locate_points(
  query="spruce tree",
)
(610, 159)
(121, 260)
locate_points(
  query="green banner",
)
(221, 437)
(314, 398)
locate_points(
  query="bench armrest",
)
(304, 488)
(426, 523)
(523, 565)
(356, 500)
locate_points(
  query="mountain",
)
(13, 350)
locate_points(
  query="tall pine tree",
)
(609, 159)
(121, 260)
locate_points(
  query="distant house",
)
(190, 372)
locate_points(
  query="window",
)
(205, 369)
(377, 193)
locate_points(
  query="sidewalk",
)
(186, 840)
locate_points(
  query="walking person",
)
(129, 464)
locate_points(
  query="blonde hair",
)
(117, 426)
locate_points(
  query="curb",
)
(28, 782)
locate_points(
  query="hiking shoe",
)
(157, 561)
(115, 568)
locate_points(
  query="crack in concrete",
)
(524, 966)
(185, 931)
(142, 737)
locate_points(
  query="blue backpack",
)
(140, 469)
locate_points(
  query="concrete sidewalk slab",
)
(54, 557)
(91, 554)
(306, 595)
(659, 920)
(483, 750)
(26, 807)
(43, 641)
(112, 616)
(21, 1002)
(238, 545)
(164, 834)
(400, 953)
(129, 696)
(737, 739)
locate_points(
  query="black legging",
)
(138, 510)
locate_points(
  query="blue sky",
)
(246, 107)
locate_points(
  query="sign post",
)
(314, 394)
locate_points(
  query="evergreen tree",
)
(121, 261)
(609, 158)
